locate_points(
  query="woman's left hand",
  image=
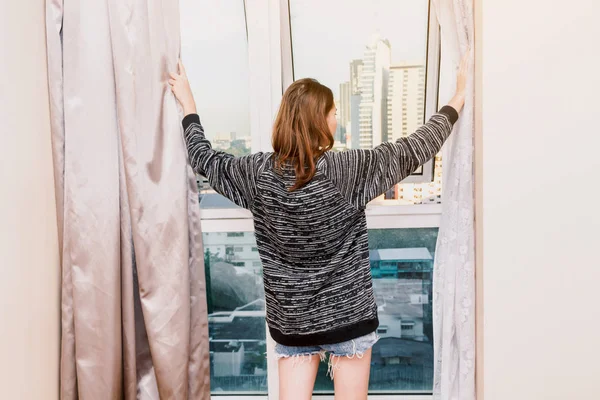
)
(180, 87)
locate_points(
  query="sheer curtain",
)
(454, 273)
(134, 321)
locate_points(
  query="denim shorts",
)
(351, 348)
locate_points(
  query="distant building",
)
(402, 280)
(237, 341)
(225, 141)
(356, 68)
(395, 351)
(354, 121)
(236, 248)
(373, 87)
(400, 263)
(344, 111)
(406, 100)
(230, 361)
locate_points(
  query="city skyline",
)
(323, 53)
(379, 101)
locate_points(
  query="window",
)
(375, 66)
(402, 269)
(221, 88)
(382, 330)
(407, 326)
(232, 49)
(236, 318)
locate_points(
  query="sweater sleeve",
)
(362, 175)
(230, 176)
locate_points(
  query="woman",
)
(309, 205)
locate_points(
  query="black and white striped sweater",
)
(313, 241)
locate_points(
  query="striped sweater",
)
(313, 241)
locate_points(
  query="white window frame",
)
(271, 71)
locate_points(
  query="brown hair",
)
(301, 133)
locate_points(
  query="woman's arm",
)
(233, 177)
(362, 175)
(180, 86)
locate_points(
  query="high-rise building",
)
(352, 127)
(356, 67)
(344, 110)
(373, 87)
(406, 99)
(339, 130)
(354, 121)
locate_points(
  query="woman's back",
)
(314, 251)
(312, 239)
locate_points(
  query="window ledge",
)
(372, 210)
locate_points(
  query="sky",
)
(326, 36)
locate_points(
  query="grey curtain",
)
(134, 322)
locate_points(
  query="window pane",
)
(236, 313)
(402, 269)
(215, 53)
(372, 54)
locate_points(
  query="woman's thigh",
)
(350, 366)
(297, 371)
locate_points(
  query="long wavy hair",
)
(301, 133)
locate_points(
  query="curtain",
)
(134, 321)
(454, 274)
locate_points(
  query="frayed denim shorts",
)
(351, 348)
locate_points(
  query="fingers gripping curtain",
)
(134, 321)
(454, 273)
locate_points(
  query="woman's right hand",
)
(464, 69)
(180, 87)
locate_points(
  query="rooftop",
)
(215, 200)
(406, 254)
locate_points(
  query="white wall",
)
(29, 267)
(540, 167)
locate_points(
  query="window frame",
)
(269, 39)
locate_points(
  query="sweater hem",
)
(344, 334)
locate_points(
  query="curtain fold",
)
(134, 320)
(454, 271)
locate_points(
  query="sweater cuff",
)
(450, 112)
(190, 119)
